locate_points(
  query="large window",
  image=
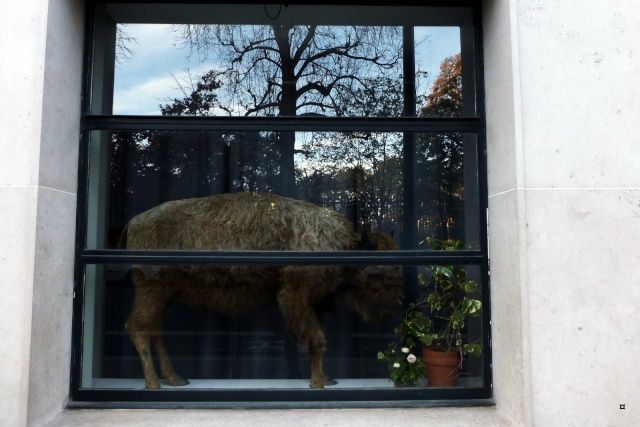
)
(257, 183)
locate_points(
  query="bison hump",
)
(240, 221)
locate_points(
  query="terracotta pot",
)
(442, 367)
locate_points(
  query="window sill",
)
(353, 417)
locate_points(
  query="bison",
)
(252, 221)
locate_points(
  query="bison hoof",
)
(326, 381)
(178, 381)
(153, 385)
(330, 381)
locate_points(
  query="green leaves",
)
(475, 349)
(447, 271)
(472, 306)
(428, 339)
(470, 286)
(446, 285)
(450, 301)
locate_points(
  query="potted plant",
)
(451, 302)
(435, 322)
(405, 368)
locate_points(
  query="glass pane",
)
(306, 61)
(357, 175)
(438, 72)
(447, 187)
(230, 333)
(261, 325)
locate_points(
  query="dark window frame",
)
(243, 398)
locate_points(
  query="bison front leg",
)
(301, 290)
(317, 345)
(165, 363)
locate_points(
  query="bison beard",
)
(252, 221)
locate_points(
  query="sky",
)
(150, 76)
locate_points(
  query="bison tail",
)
(122, 242)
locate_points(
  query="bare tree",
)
(369, 162)
(282, 70)
(124, 40)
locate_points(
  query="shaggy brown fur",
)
(252, 221)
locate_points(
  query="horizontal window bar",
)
(92, 403)
(93, 122)
(282, 257)
(229, 398)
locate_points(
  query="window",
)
(256, 181)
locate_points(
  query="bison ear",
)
(365, 242)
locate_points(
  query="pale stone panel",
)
(502, 108)
(509, 310)
(61, 101)
(580, 63)
(17, 234)
(584, 265)
(49, 371)
(507, 244)
(34, 374)
(22, 31)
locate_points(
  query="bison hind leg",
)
(145, 326)
(142, 341)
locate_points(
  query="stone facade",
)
(562, 93)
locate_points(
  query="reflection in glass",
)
(213, 347)
(241, 297)
(358, 174)
(264, 70)
(445, 97)
(447, 186)
(277, 70)
(438, 71)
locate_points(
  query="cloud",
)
(149, 77)
(145, 97)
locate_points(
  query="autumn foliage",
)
(445, 99)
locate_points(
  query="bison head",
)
(377, 292)
(374, 291)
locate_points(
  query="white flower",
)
(404, 350)
(396, 365)
(411, 358)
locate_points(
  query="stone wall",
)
(564, 198)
